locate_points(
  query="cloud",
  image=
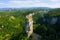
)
(33, 4)
(54, 0)
(1, 3)
(15, 0)
(57, 5)
(21, 4)
(25, 0)
(27, 4)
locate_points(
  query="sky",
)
(29, 3)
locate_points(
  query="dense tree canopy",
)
(12, 22)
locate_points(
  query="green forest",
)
(12, 23)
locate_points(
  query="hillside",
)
(36, 8)
(12, 22)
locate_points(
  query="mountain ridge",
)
(42, 8)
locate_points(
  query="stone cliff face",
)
(36, 36)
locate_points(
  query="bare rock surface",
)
(36, 36)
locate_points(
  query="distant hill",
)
(38, 8)
(42, 8)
